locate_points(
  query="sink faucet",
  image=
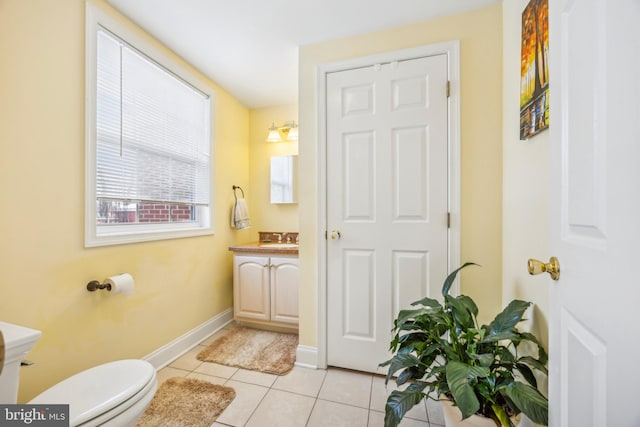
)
(288, 238)
(278, 235)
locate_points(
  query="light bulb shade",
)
(273, 136)
(293, 132)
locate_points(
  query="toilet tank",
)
(18, 340)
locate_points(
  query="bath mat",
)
(186, 402)
(253, 349)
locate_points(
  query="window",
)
(149, 141)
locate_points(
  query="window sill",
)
(115, 237)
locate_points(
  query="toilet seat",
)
(103, 392)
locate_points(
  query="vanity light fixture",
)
(274, 136)
(289, 130)
(293, 132)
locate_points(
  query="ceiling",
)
(250, 47)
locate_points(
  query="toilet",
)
(116, 393)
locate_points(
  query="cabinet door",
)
(251, 287)
(284, 290)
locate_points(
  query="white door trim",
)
(452, 50)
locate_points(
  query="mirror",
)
(284, 178)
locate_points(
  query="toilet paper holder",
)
(119, 284)
(95, 285)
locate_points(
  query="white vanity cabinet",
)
(265, 289)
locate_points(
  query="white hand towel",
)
(240, 215)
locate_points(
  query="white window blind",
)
(152, 130)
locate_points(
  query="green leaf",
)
(509, 317)
(460, 313)
(409, 374)
(501, 415)
(469, 304)
(401, 361)
(527, 373)
(504, 354)
(458, 377)
(411, 348)
(417, 386)
(529, 400)
(428, 302)
(452, 277)
(534, 363)
(385, 363)
(406, 315)
(485, 359)
(412, 340)
(398, 404)
(542, 354)
(449, 353)
(499, 336)
(530, 337)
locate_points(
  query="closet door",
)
(387, 201)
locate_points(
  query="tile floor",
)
(303, 397)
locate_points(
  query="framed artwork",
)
(534, 69)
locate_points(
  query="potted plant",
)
(439, 347)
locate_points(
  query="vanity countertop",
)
(266, 248)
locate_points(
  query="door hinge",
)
(448, 88)
(448, 219)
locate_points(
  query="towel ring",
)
(237, 187)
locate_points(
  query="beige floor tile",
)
(301, 381)
(332, 414)
(376, 419)
(210, 378)
(188, 360)
(350, 388)
(380, 393)
(303, 397)
(254, 377)
(434, 409)
(248, 397)
(165, 373)
(216, 370)
(280, 409)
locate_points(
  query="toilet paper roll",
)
(120, 284)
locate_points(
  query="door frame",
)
(452, 50)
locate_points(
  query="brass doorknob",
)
(335, 234)
(552, 267)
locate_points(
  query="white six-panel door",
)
(387, 201)
(595, 211)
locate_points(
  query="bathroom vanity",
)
(265, 284)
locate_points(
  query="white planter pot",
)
(453, 417)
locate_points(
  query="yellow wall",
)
(264, 215)
(179, 283)
(480, 35)
(182, 283)
(526, 180)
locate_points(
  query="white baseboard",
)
(307, 357)
(176, 348)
